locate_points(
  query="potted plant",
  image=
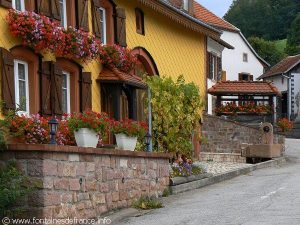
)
(127, 133)
(88, 127)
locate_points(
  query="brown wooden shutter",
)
(43, 7)
(82, 15)
(121, 27)
(97, 26)
(55, 10)
(211, 66)
(8, 79)
(124, 112)
(46, 71)
(56, 90)
(86, 91)
(6, 3)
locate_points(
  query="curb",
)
(226, 176)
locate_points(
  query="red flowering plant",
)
(39, 32)
(98, 122)
(35, 130)
(78, 44)
(130, 128)
(285, 125)
(251, 107)
(119, 57)
(36, 31)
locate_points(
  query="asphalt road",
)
(265, 197)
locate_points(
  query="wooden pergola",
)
(245, 91)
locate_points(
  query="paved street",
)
(265, 197)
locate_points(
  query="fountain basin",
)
(263, 151)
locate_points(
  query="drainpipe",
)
(150, 147)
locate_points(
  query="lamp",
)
(148, 138)
(53, 124)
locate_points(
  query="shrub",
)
(176, 110)
(12, 188)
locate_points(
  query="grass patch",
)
(166, 192)
(147, 203)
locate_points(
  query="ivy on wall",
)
(176, 109)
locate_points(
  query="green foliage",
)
(269, 19)
(176, 108)
(267, 50)
(281, 44)
(147, 203)
(166, 192)
(12, 188)
(183, 170)
(293, 40)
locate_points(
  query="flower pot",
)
(86, 138)
(125, 142)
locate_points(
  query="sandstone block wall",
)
(226, 136)
(85, 185)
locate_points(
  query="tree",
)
(269, 19)
(267, 50)
(293, 40)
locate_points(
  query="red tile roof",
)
(112, 74)
(207, 16)
(243, 88)
(282, 67)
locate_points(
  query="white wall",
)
(277, 81)
(296, 97)
(216, 48)
(232, 60)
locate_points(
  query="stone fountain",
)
(267, 148)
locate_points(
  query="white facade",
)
(279, 81)
(217, 49)
(232, 59)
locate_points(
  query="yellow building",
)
(164, 35)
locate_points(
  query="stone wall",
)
(222, 157)
(85, 182)
(227, 136)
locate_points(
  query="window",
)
(66, 106)
(139, 17)
(63, 13)
(21, 86)
(186, 5)
(213, 68)
(282, 80)
(18, 5)
(245, 57)
(245, 77)
(103, 24)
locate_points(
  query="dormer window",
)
(18, 5)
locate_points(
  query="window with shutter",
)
(219, 68)
(86, 91)
(121, 27)
(63, 13)
(56, 10)
(21, 86)
(97, 18)
(18, 5)
(66, 99)
(6, 3)
(139, 20)
(8, 79)
(82, 15)
(124, 110)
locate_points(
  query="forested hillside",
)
(264, 22)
